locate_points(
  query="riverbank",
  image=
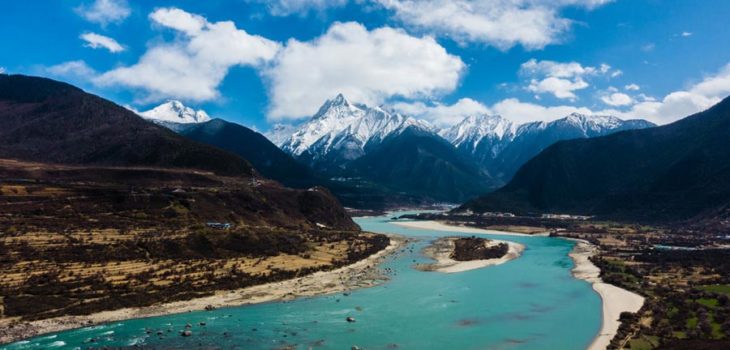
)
(441, 226)
(442, 249)
(614, 299)
(361, 274)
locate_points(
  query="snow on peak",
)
(473, 129)
(175, 112)
(340, 124)
(592, 123)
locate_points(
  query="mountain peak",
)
(341, 125)
(340, 100)
(175, 111)
(474, 128)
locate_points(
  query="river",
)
(532, 302)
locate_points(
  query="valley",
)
(364, 175)
(80, 240)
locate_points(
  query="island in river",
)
(458, 254)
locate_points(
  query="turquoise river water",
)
(532, 302)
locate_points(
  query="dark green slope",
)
(265, 157)
(48, 121)
(672, 172)
(421, 163)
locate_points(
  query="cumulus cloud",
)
(72, 70)
(617, 99)
(678, 104)
(2, 70)
(561, 79)
(632, 87)
(502, 23)
(96, 41)
(290, 7)
(686, 34)
(366, 66)
(193, 66)
(105, 11)
(441, 114)
(560, 88)
(672, 107)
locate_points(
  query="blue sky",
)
(265, 62)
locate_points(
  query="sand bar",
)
(442, 248)
(441, 226)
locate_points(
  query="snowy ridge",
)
(175, 112)
(588, 125)
(472, 129)
(345, 127)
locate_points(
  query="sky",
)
(260, 63)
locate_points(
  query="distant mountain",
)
(481, 137)
(386, 152)
(419, 162)
(280, 133)
(342, 131)
(672, 172)
(502, 147)
(265, 157)
(49, 121)
(175, 112)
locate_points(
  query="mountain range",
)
(355, 141)
(672, 172)
(501, 146)
(355, 149)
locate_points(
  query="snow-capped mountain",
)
(280, 133)
(350, 140)
(504, 158)
(483, 133)
(175, 112)
(342, 131)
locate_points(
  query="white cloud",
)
(675, 105)
(533, 24)
(2, 70)
(679, 104)
(561, 79)
(686, 34)
(632, 87)
(617, 99)
(105, 11)
(366, 66)
(96, 41)
(648, 47)
(523, 112)
(560, 88)
(72, 69)
(441, 114)
(193, 66)
(511, 108)
(290, 7)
